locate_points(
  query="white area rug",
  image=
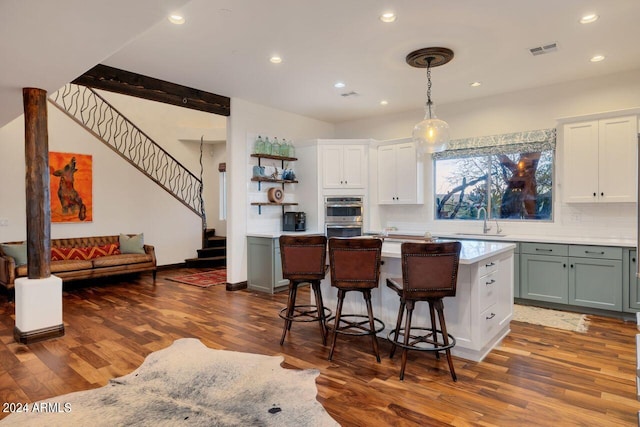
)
(192, 385)
(552, 318)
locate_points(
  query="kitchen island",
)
(478, 316)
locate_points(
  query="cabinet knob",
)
(571, 265)
(602, 194)
(594, 194)
(564, 265)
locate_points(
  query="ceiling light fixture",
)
(588, 19)
(339, 85)
(384, 102)
(388, 17)
(597, 58)
(275, 59)
(431, 134)
(176, 19)
(475, 84)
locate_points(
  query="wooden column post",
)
(37, 183)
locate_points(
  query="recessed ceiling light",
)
(597, 58)
(588, 19)
(475, 84)
(384, 102)
(339, 85)
(388, 17)
(176, 19)
(275, 59)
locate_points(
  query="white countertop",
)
(535, 238)
(472, 250)
(277, 234)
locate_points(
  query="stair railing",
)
(104, 121)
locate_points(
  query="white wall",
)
(124, 200)
(178, 130)
(526, 110)
(246, 121)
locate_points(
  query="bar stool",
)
(304, 261)
(429, 273)
(355, 266)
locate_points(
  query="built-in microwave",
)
(340, 209)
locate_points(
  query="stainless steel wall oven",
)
(343, 216)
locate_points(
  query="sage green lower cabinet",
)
(264, 267)
(595, 277)
(632, 284)
(516, 271)
(543, 272)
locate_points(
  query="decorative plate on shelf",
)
(275, 195)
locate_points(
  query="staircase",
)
(213, 252)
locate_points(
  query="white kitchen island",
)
(478, 316)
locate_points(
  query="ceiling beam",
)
(132, 84)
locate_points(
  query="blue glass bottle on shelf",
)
(267, 146)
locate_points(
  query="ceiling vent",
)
(541, 50)
(352, 93)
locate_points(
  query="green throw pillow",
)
(133, 244)
(17, 251)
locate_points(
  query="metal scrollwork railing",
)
(88, 108)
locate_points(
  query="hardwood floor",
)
(539, 376)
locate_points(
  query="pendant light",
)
(432, 134)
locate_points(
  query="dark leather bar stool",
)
(429, 273)
(304, 261)
(355, 266)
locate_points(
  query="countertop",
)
(535, 238)
(277, 234)
(472, 250)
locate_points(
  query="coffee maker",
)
(294, 221)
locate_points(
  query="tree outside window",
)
(515, 186)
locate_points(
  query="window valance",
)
(507, 143)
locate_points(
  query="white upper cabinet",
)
(343, 166)
(600, 160)
(400, 175)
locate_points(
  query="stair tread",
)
(217, 238)
(211, 258)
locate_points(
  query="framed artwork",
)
(71, 184)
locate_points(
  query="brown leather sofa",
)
(76, 269)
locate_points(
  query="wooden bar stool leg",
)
(397, 330)
(407, 336)
(320, 310)
(372, 325)
(445, 337)
(291, 301)
(336, 323)
(434, 328)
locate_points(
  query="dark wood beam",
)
(36, 149)
(132, 84)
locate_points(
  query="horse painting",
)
(71, 202)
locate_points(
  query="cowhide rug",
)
(192, 385)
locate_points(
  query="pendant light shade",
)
(432, 134)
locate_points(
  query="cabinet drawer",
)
(486, 267)
(544, 249)
(488, 290)
(603, 252)
(489, 322)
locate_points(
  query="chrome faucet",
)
(485, 227)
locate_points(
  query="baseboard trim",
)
(236, 286)
(38, 335)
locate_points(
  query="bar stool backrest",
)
(429, 270)
(303, 257)
(355, 262)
